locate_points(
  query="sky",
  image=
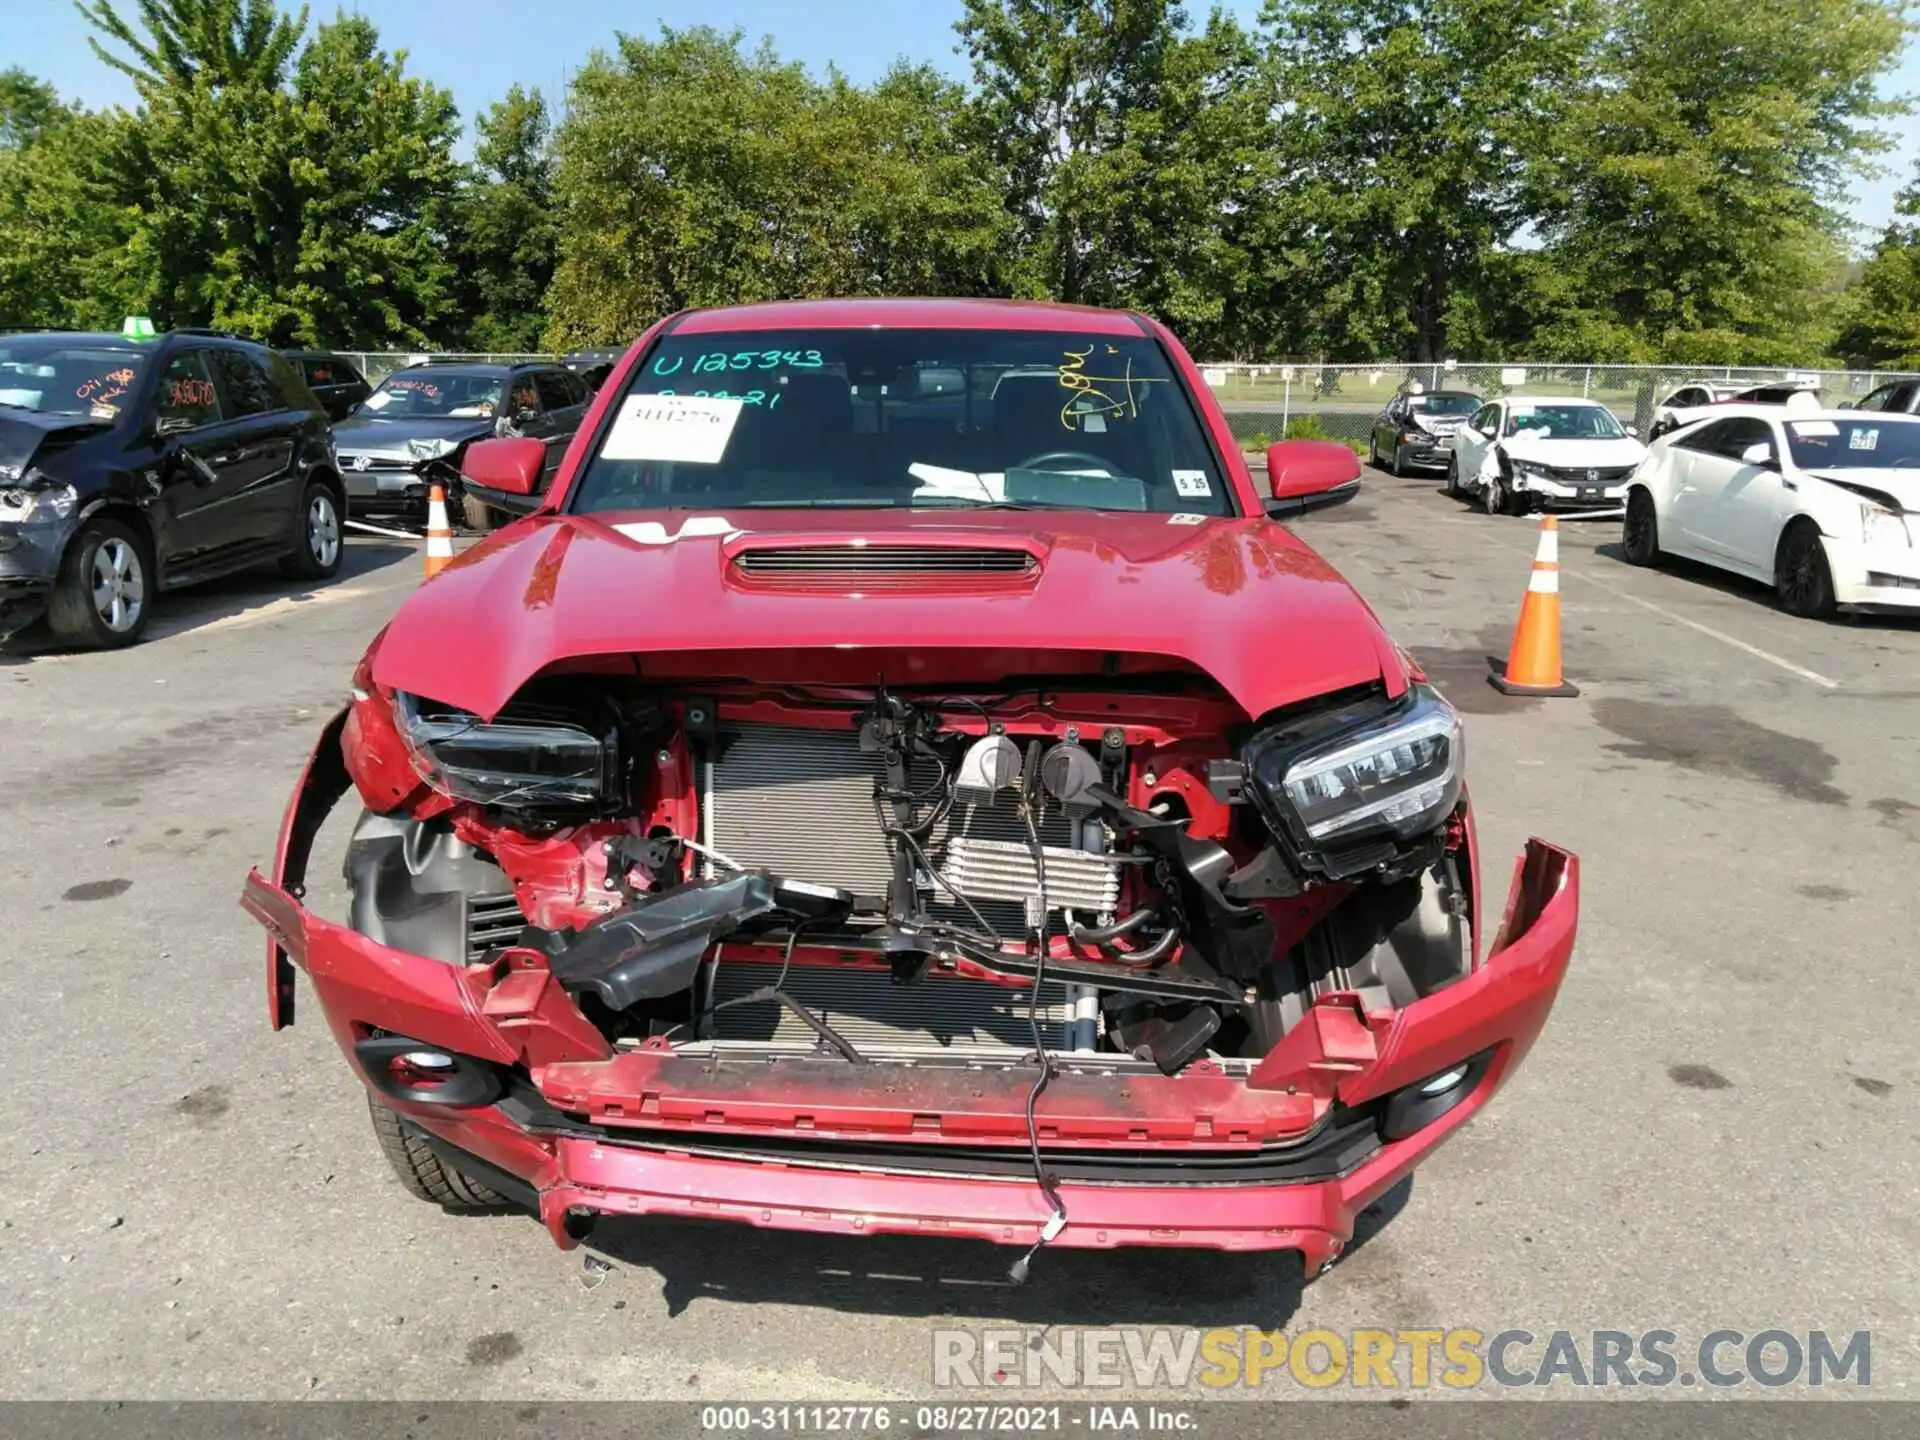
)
(477, 48)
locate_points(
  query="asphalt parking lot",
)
(1717, 1129)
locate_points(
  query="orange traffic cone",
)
(1533, 664)
(439, 533)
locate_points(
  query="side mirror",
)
(512, 466)
(1633, 430)
(171, 425)
(1307, 475)
(1759, 453)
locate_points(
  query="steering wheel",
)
(1042, 461)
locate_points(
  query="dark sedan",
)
(1414, 431)
(426, 415)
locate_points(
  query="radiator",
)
(800, 803)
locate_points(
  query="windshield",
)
(1563, 422)
(920, 419)
(451, 394)
(1878, 443)
(57, 376)
(1445, 404)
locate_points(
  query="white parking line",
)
(1754, 650)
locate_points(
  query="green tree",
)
(1882, 306)
(1411, 136)
(291, 190)
(694, 173)
(61, 235)
(1696, 208)
(1127, 145)
(179, 42)
(27, 107)
(505, 237)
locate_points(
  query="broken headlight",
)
(31, 505)
(522, 760)
(1371, 771)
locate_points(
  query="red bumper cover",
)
(667, 1103)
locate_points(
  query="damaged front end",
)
(1100, 960)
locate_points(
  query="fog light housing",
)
(422, 1074)
(1444, 1081)
(1420, 1104)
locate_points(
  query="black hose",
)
(1107, 934)
(1058, 1221)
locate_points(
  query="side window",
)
(523, 398)
(322, 372)
(245, 383)
(288, 385)
(185, 398)
(1483, 420)
(555, 393)
(582, 392)
(1901, 401)
(1744, 433)
(1708, 439)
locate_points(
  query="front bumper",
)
(29, 565)
(1559, 495)
(390, 483)
(1429, 452)
(1875, 576)
(586, 1132)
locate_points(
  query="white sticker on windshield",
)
(690, 428)
(1192, 484)
(1863, 440)
(1184, 518)
(379, 400)
(1814, 429)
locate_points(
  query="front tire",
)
(1396, 463)
(1801, 573)
(101, 596)
(1640, 530)
(1493, 495)
(1452, 484)
(322, 544)
(420, 1169)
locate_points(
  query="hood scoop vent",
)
(954, 565)
(849, 561)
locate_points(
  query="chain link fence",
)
(376, 365)
(1339, 402)
(1264, 402)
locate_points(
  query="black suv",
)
(136, 463)
(334, 380)
(418, 424)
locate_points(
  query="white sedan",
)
(1538, 452)
(1824, 505)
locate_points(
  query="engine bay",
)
(905, 875)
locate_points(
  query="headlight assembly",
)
(37, 506)
(1881, 526)
(1528, 467)
(431, 449)
(517, 761)
(1348, 780)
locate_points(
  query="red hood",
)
(1242, 600)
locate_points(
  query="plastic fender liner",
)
(323, 780)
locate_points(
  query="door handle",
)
(228, 458)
